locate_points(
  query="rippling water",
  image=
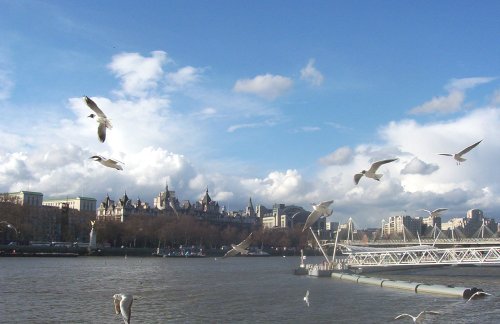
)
(233, 290)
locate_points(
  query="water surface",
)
(232, 290)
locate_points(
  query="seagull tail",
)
(378, 176)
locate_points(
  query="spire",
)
(250, 210)
(206, 200)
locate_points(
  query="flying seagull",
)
(110, 163)
(103, 121)
(417, 318)
(319, 210)
(371, 172)
(478, 294)
(240, 248)
(458, 156)
(172, 205)
(435, 212)
(306, 298)
(123, 305)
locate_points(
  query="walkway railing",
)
(426, 257)
(427, 241)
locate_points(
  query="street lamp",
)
(9, 225)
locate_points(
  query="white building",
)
(25, 198)
(77, 203)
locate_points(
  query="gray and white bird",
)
(371, 173)
(435, 213)
(419, 317)
(478, 294)
(123, 306)
(240, 248)
(458, 156)
(110, 163)
(306, 298)
(320, 209)
(102, 120)
(172, 205)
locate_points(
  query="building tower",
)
(206, 201)
(250, 211)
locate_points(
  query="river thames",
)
(232, 290)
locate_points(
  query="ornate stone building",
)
(110, 211)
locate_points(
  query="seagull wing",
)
(171, 204)
(311, 219)
(92, 105)
(114, 161)
(325, 204)
(439, 210)
(467, 149)
(116, 301)
(101, 132)
(357, 177)
(425, 210)
(246, 242)
(307, 294)
(377, 164)
(126, 307)
(230, 253)
(403, 315)
(446, 154)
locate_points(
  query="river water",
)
(232, 290)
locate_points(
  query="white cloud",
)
(139, 75)
(266, 123)
(467, 83)
(417, 166)
(340, 156)
(205, 113)
(267, 86)
(183, 77)
(443, 104)
(14, 169)
(308, 129)
(310, 74)
(287, 187)
(453, 101)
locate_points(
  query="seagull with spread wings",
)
(123, 305)
(419, 317)
(240, 248)
(103, 121)
(478, 294)
(371, 173)
(319, 210)
(458, 156)
(435, 213)
(110, 163)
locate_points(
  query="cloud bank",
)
(160, 143)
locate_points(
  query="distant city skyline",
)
(281, 103)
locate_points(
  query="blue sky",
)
(281, 101)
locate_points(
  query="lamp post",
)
(9, 225)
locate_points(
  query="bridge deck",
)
(426, 257)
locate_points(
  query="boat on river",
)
(180, 253)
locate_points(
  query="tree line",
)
(46, 223)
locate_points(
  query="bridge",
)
(425, 256)
(445, 242)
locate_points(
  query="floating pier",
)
(417, 287)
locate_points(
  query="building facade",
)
(77, 203)
(24, 198)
